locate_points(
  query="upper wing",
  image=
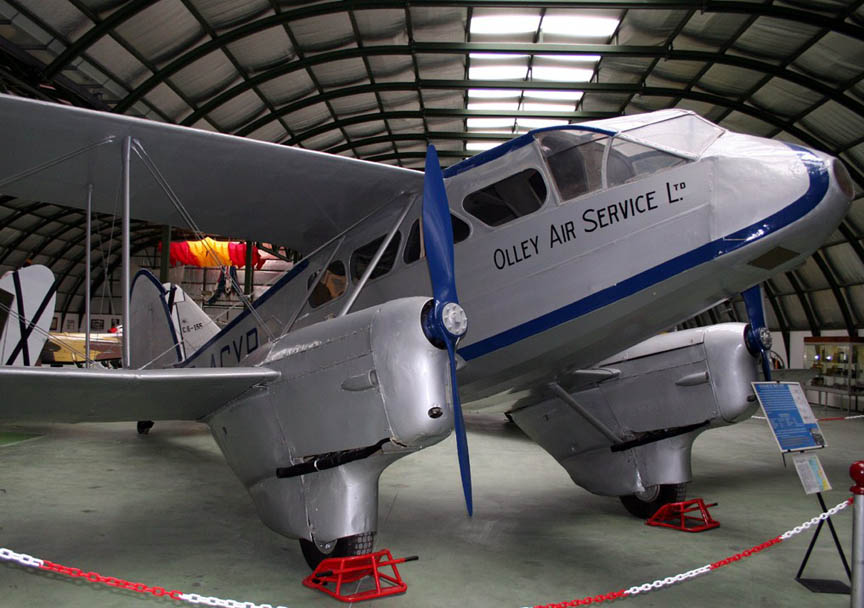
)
(50, 394)
(230, 185)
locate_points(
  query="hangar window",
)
(629, 161)
(461, 230)
(362, 257)
(508, 199)
(575, 160)
(331, 286)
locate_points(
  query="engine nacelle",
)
(655, 397)
(359, 391)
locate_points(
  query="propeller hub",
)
(454, 319)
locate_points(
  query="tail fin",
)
(26, 308)
(174, 326)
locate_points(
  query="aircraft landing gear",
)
(645, 504)
(315, 553)
(144, 426)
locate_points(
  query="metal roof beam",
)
(805, 303)
(827, 271)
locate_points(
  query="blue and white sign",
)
(789, 416)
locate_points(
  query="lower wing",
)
(47, 394)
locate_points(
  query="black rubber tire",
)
(347, 546)
(643, 509)
(144, 427)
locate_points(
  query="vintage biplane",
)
(567, 245)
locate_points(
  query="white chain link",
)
(21, 558)
(194, 598)
(815, 520)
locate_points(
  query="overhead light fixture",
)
(540, 123)
(479, 146)
(493, 93)
(556, 95)
(490, 123)
(498, 56)
(498, 72)
(506, 106)
(504, 24)
(579, 26)
(548, 107)
(571, 58)
(562, 74)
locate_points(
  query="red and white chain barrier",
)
(193, 598)
(671, 580)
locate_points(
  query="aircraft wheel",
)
(645, 504)
(315, 553)
(144, 426)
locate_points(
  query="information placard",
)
(789, 415)
(811, 473)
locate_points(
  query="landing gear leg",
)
(645, 504)
(315, 552)
(144, 426)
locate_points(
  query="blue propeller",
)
(445, 323)
(756, 335)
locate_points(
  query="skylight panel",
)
(493, 93)
(555, 95)
(571, 58)
(506, 106)
(540, 123)
(562, 74)
(489, 123)
(504, 24)
(479, 146)
(499, 72)
(579, 26)
(548, 107)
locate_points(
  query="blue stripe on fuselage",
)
(818, 173)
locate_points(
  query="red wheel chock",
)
(675, 515)
(333, 573)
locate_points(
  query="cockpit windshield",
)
(587, 161)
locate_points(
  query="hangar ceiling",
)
(379, 80)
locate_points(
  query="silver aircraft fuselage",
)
(586, 276)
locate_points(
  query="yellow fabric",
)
(210, 253)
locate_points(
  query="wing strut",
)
(375, 259)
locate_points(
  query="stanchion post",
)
(856, 472)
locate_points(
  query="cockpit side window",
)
(362, 257)
(575, 160)
(629, 161)
(331, 286)
(504, 201)
(461, 231)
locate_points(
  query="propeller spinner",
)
(445, 322)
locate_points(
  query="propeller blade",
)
(447, 323)
(438, 231)
(461, 437)
(758, 338)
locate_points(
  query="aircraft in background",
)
(27, 298)
(571, 244)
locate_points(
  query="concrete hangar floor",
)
(165, 510)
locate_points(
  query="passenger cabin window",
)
(629, 161)
(331, 286)
(575, 160)
(461, 230)
(362, 257)
(508, 199)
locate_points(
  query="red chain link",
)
(746, 553)
(95, 577)
(585, 601)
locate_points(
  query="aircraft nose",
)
(841, 178)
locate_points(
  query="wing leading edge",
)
(47, 394)
(231, 186)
